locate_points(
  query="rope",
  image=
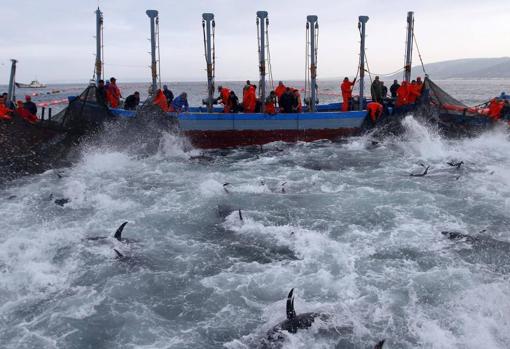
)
(126, 65)
(102, 49)
(213, 51)
(205, 41)
(159, 53)
(419, 55)
(269, 56)
(307, 72)
(388, 74)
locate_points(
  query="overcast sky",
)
(53, 40)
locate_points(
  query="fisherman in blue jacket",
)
(180, 103)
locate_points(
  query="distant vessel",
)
(33, 84)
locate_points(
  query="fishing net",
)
(83, 113)
(439, 97)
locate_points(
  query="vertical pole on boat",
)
(99, 45)
(409, 46)
(362, 21)
(153, 14)
(261, 19)
(12, 81)
(314, 25)
(207, 23)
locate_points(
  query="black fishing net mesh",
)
(439, 97)
(83, 113)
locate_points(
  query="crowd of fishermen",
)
(283, 99)
(26, 110)
(108, 94)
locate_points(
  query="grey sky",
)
(53, 40)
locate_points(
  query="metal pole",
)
(261, 17)
(12, 81)
(362, 21)
(209, 21)
(152, 15)
(314, 25)
(99, 45)
(409, 46)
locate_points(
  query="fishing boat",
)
(33, 84)
(209, 128)
(454, 118)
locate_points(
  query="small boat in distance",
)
(33, 84)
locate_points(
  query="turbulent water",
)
(343, 223)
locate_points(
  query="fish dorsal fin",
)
(291, 313)
(119, 255)
(118, 233)
(380, 344)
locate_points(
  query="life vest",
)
(25, 114)
(495, 107)
(225, 99)
(375, 110)
(402, 94)
(161, 101)
(279, 90)
(414, 91)
(270, 108)
(3, 112)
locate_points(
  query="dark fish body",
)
(117, 236)
(481, 242)
(300, 322)
(62, 202)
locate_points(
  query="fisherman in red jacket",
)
(414, 91)
(4, 111)
(114, 94)
(280, 90)
(375, 110)
(24, 113)
(270, 105)
(346, 88)
(161, 101)
(224, 98)
(402, 94)
(495, 107)
(250, 100)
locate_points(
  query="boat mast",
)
(362, 21)
(153, 14)
(409, 46)
(12, 86)
(262, 22)
(313, 24)
(207, 24)
(99, 45)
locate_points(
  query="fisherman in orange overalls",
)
(280, 90)
(270, 105)
(224, 98)
(495, 107)
(250, 99)
(24, 113)
(346, 88)
(161, 101)
(375, 110)
(4, 110)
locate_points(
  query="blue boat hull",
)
(219, 130)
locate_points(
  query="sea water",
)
(343, 223)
